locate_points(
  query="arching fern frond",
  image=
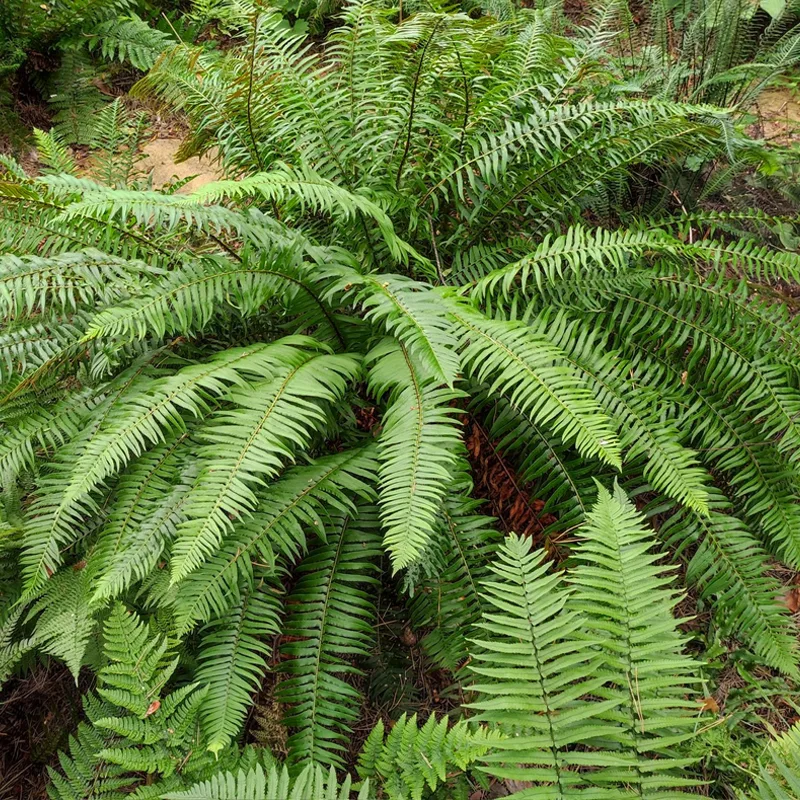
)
(146, 417)
(249, 444)
(729, 567)
(129, 39)
(301, 502)
(410, 312)
(186, 299)
(418, 449)
(450, 601)
(530, 371)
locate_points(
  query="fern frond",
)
(626, 595)
(232, 661)
(418, 450)
(410, 312)
(670, 467)
(450, 601)
(303, 187)
(245, 446)
(330, 621)
(65, 621)
(145, 417)
(534, 665)
(147, 509)
(188, 298)
(529, 370)
(729, 568)
(276, 784)
(299, 503)
(554, 683)
(54, 153)
(780, 778)
(67, 282)
(414, 759)
(129, 39)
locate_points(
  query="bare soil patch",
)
(160, 160)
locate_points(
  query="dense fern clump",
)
(239, 413)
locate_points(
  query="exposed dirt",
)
(778, 111)
(37, 714)
(160, 159)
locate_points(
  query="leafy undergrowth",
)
(445, 446)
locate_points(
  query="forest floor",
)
(778, 112)
(160, 161)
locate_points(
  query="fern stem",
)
(414, 89)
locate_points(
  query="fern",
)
(330, 617)
(129, 39)
(271, 419)
(311, 784)
(414, 758)
(134, 727)
(553, 683)
(780, 777)
(214, 401)
(232, 661)
(302, 501)
(412, 483)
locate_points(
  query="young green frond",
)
(597, 663)
(626, 597)
(133, 727)
(532, 664)
(419, 449)
(414, 759)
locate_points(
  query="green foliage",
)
(330, 620)
(311, 784)
(595, 660)
(133, 728)
(240, 410)
(232, 661)
(414, 758)
(51, 45)
(779, 779)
